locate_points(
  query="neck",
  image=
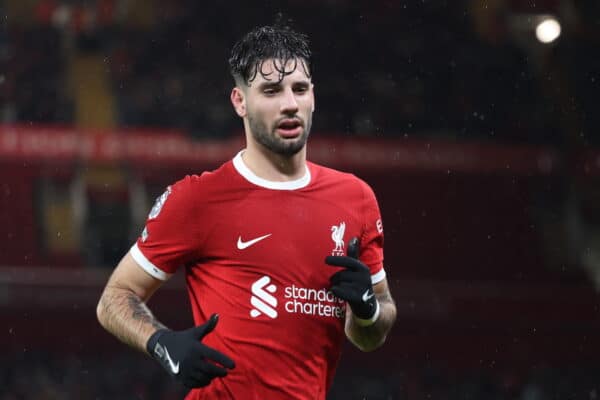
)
(274, 167)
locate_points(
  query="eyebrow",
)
(267, 85)
(301, 83)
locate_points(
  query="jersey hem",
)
(146, 265)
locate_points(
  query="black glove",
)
(353, 283)
(186, 358)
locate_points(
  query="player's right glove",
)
(185, 358)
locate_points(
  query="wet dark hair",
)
(269, 42)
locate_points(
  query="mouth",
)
(289, 128)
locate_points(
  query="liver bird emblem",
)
(337, 235)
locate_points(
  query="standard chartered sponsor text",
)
(310, 301)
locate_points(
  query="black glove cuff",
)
(368, 321)
(151, 343)
(367, 307)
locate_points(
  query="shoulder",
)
(193, 189)
(204, 180)
(323, 173)
(341, 180)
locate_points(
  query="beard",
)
(273, 142)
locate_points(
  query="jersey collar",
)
(251, 177)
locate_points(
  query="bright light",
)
(548, 30)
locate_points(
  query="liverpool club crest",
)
(337, 235)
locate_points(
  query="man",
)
(266, 245)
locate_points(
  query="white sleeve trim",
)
(378, 277)
(146, 265)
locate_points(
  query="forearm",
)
(369, 338)
(124, 314)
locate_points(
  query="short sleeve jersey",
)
(253, 251)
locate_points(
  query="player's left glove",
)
(353, 283)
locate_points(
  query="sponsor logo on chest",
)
(296, 300)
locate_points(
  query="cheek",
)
(262, 113)
(308, 104)
(258, 121)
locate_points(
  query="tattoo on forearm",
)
(385, 298)
(141, 313)
(371, 337)
(127, 317)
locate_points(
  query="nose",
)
(289, 105)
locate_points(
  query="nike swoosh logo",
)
(244, 245)
(174, 367)
(367, 295)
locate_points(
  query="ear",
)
(312, 86)
(238, 99)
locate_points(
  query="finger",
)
(217, 356)
(342, 293)
(354, 248)
(346, 262)
(196, 380)
(202, 330)
(341, 276)
(212, 370)
(336, 291)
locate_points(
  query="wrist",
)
(369, 321)
(153, 340)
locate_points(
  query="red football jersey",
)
(253, 251)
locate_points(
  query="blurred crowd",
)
(70, 377)
(133, 376)
(462, 69)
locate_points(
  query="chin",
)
(292, 146)
(290, 150)
(277, 144)
(289, 147)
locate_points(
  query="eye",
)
(270, 91)
(300, 89)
